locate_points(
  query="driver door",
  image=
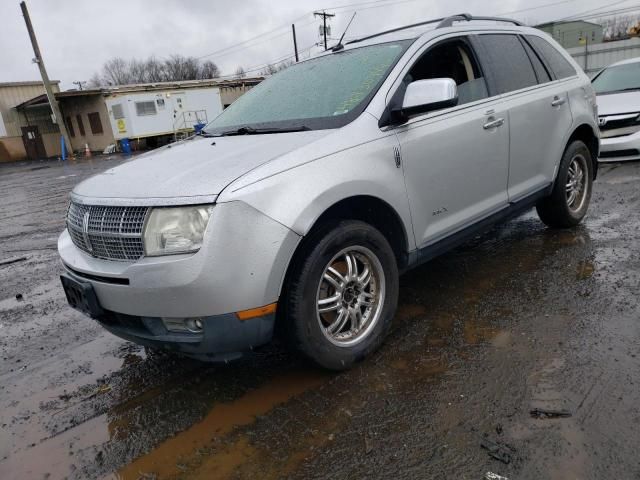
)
(455, 160)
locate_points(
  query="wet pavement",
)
(521, 318)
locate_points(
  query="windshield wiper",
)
(259, 131)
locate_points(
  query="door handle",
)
(557, 101)
(493, 123)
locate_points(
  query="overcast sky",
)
(77, 36)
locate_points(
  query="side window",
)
(451, 59)
(145, 108)
(508, 61)
(538, 66)
(560, 66)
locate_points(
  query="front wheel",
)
(569, 200)
(342, 294)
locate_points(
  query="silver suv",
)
(298, 207)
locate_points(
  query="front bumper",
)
(223, 337)
(240, 266)
(618, 149)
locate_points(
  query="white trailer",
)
(154, 113)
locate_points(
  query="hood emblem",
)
(602, 121)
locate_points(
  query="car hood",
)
(615, 103)
(195, 168)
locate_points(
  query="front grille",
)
(631, 152)
(112, 233)
(613, 122)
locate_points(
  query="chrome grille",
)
(112, 233)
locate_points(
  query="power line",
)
(268, 34)
(283, 30)
(571, 17)
(608, 13)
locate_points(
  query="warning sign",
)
(122, 126)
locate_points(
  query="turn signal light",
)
(257, 312)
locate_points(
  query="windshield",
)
(326, 92)
(620, 78)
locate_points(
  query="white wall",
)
(168, 116)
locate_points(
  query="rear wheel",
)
(342, 294)
(569, 200)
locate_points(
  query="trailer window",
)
(117, 111)
(145, 108)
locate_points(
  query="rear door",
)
(538, 109)
(456, 159)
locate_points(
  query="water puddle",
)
(181, 451)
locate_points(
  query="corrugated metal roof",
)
(29, 83)
(144, 87)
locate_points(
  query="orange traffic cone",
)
(87, 152)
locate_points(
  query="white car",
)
(618, 92)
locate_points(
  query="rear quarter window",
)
(538, 66)
(556, 61)
(509, 63)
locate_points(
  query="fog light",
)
(193, 325)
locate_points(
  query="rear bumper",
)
(618, 149)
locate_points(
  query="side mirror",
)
(424, 96)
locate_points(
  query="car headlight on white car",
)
(173, 230)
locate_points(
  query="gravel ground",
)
(519, 319)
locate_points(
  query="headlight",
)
(174, 230)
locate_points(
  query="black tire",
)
(301, 325)
(555, 210)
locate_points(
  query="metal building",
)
(571, 34)
(31, 136)
(149, 115)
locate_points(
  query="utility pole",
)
(80, 84)
(295, 42)
(45, 79)
(324, 24)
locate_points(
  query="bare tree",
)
(118, 71)
(137, 71)
(155, 70)
(269, 70)
(95, 81)
(209, 70)
(178, 67)
(617, 27)
(275, 67)
(240, 73)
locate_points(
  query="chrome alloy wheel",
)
(350, 296)
(576, 186)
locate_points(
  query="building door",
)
(33, 143)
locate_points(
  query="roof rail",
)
(442, 22)
(467, 17)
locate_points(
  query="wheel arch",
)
(585, 133)
(366, 208)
